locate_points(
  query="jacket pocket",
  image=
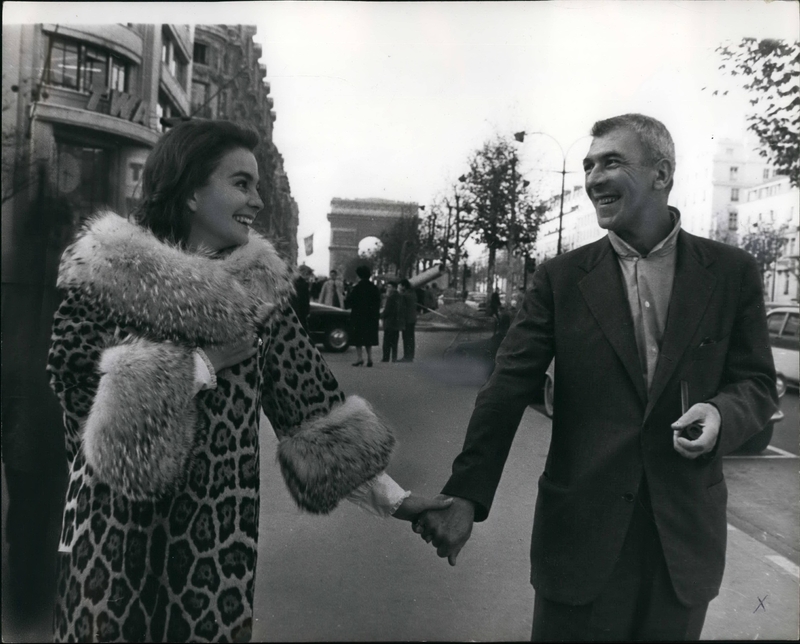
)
(718, 493)
(708, 349)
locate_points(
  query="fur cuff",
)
(139, 433)
(329, 457)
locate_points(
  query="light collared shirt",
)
(648, 284)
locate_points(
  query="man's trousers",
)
(638, 602)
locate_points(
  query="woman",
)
(364, 302)
(171, 335)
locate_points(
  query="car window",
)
(775, 322)
(791, 328)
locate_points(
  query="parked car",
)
(329, 325)
(783, 323)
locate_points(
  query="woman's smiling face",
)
(225, 207)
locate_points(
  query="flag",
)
(309, 242)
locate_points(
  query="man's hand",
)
(707, 418)
(448, 529)
(414, 505)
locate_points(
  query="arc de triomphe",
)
(354, 219)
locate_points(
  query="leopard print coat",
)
(160, 530)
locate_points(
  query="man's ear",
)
(665, 169)
(191, 202)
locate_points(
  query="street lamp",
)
(520, 137)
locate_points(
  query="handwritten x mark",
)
(761, 603)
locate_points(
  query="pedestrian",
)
(410, 310)
(171, 330)
(630, 524)
(394, 320)
(494, 305)
(364, 303)
(432, 297)
(332, 292)
(301, 301)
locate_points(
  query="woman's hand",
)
(415, 505)
(232, 354)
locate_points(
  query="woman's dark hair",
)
(182, 161)
(363, 272)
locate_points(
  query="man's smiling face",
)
(620, 181)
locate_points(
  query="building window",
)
(200, 54)
(223, 104)
(733, 221)
(734, 194)
(83, 177)
(734, 173)
(82, 67)
(164, 110)
(173, 59)
(199, 100)
(766, 173)
(786, 285)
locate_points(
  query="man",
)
(301, 300)
(332, 292)
(394, 321)
(410, 309)
(630, 526)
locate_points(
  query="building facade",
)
(774, 205)
(711, 185)
(578, 225)
(355, 219)
(83, 105)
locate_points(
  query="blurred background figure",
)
(301, 301)
(332, 292)
(394, 320)
(409, 296)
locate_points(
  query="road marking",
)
(778, 560)
(783, 452)
(787, 565)
(780, 454)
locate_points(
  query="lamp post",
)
(520, 137)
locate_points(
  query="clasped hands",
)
(449, 528)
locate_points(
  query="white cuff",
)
(380, 496)
(204, 375)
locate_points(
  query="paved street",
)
(354, 577)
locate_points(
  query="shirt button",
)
(628, 497)
(647, 304)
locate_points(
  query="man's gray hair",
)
(653, 134)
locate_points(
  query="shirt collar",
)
(666, 246)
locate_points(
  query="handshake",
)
(447, 527)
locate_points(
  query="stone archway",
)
(354, 219)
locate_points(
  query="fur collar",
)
(168, 292)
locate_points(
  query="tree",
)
(770, 70)
(765, 244)
(400, 246)
(505, 212)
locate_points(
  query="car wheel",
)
(337, 339)
(548, 395)
(759, 442)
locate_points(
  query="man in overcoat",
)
(629, 530)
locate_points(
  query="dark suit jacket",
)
(607, 430)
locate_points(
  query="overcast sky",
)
(388, 99)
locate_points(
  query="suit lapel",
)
(604, 293)
(691, 293)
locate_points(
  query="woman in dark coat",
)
(364, 302)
